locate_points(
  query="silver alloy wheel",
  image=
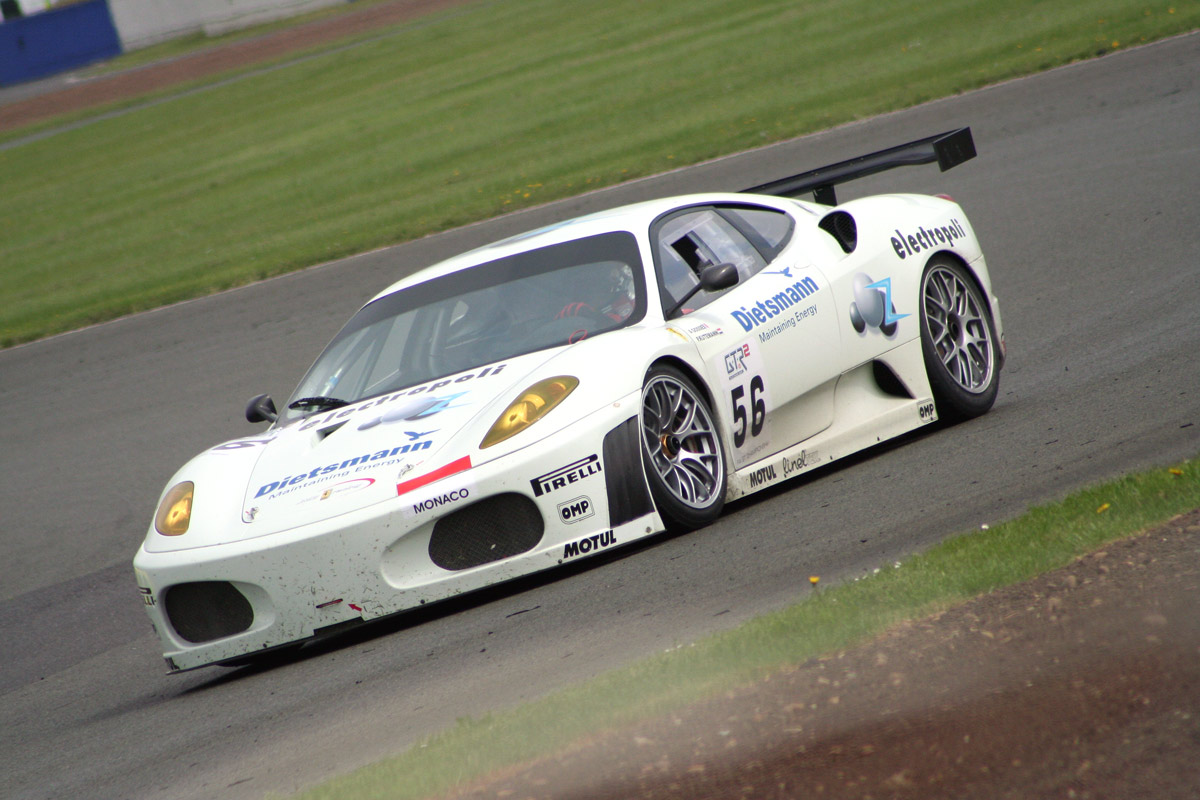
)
(960, 333)
(681, 443)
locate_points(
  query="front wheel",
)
(958, 339)
(681, 450)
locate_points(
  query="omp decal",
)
(928, 412)
(564, 476)
(587, 545)
(872, 306)
(453, 467)
(575, 510)
(909, 244)
(762, 476)
(323, 473)
(764, 310)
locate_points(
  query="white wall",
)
(144, 22)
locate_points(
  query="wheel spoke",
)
(681, 442)
(958, 329)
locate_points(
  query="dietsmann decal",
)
(329, 469)
(909, 244)
(564, 476)
(765, 310)
(585, 546)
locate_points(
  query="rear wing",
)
(948, 149)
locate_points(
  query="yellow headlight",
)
(175, 510)
(533, 404)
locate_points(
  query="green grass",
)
(472, 115)
(1043, 539)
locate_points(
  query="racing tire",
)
(681, 451)
(959, 342)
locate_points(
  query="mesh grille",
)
(841, 226)
(202, 612)
(492, 529)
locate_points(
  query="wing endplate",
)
(948, 149)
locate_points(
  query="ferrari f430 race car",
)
(573, 389)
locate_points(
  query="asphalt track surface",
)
(1085, 196)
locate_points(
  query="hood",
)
(342, 460)
(346, 459)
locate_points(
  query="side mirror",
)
(261, 408)
(713, 278)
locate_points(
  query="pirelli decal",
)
(565, 476)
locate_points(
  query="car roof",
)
(635, 218)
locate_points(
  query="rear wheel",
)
(681, 450)
(959, 341)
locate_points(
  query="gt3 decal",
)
(749, 400)
(735, 362)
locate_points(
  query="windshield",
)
(531, 301)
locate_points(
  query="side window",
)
(770, 230)
(687, 242)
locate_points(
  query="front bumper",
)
(573, 494)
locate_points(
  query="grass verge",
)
(1043, 539)
(475, 114)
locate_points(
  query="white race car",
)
(574, 389)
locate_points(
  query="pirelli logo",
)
(565, 476)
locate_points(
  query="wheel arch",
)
(692, 374)
(973, 274)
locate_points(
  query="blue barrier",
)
(56, 40)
